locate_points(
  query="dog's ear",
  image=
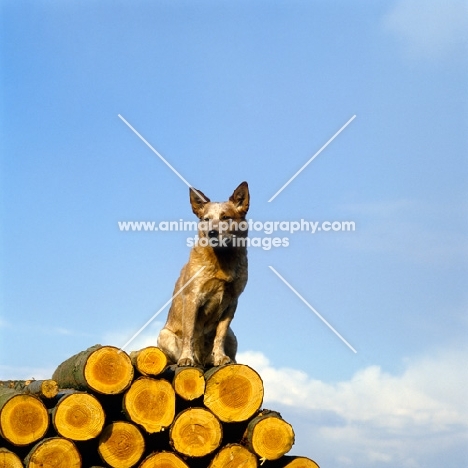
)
(198, 201)
(241, 198)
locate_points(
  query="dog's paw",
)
(221, 360)
(185, 362)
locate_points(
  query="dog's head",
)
(221, 222)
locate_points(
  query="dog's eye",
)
(205, 219)
(225, 218)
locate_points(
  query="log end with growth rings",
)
(233, 392)
(54, 452)
(149, 361)
(234, 456)
(121, 445)
(150, 403)
(9, 459)
(269, 435)
(109, 370)
(189, 382)
(23, 418)
(196, 432)
(163, 460)
(78, 416)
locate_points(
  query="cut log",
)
(23, 418)
(196, 432)
(292, 462)
(163, 460)
(78, 416)
(103, 369)
(149, 361)
(53, 452)
(234, 456)
(189, 382)
(121, 445)
(233, 392)
(9, 459)
(269, 436)
(41, 388)
(150, 403)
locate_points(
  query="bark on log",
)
(54, 452)
(78, 416)
(196, 432)
(292, 462)
(9, 459)
(269, 436)
(23, 418)
(149, 361)
(121, 445)
(163, 460)
(15, 384)
(103, 369)
(234, 456)
(150, 403)
(42, 388)
(189, 382)
(233, 392)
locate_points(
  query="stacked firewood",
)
(105, 408)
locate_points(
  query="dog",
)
(197, 331)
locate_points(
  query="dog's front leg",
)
(189, 318)
(219, 355)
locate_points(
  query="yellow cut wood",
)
(149, 361)
(54, 452)
(269, 436)
(189, 382)
(9, 459)
(163, 460)
(150, 403)
(43, 388)
(234, 456)
(102, 369)
(78, 416)
(233, 392)
(196, 432)
(23, 418)
(121, 445)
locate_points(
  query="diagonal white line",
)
(162, 308)
(161, 157)
(313, 310)
(312, 158)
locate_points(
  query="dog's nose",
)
(213, 233)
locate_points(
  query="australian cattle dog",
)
(197, 331)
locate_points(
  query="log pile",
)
(105, 408)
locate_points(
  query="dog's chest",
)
(216, 296)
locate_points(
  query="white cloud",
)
(375, 418)
(428, 28)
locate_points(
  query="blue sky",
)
(233, 91)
